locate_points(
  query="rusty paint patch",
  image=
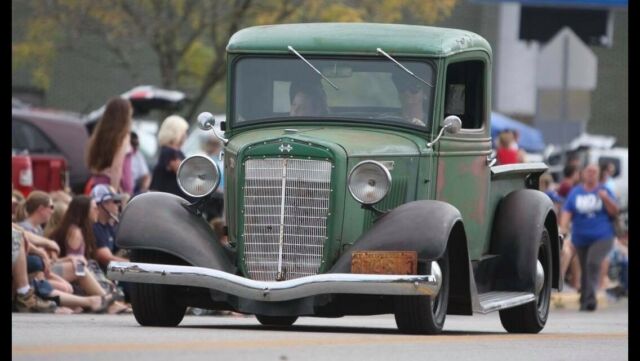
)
(385, 262)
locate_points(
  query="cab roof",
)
(356, 39)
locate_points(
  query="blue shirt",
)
(105, 236)
(591, 222)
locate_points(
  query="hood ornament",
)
(285, 148)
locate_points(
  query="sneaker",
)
(30, 302)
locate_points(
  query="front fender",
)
(159, 221)
(421, 226)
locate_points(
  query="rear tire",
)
(280, 321)
(531, 317)
(153, 304)
(424, 314)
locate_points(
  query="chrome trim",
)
(329, 283)
(519, 168)
(279, 275)
(285, 211)
(215, 166)
(384, 170)
(498, 300)
(539, 277)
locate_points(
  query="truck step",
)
(498, 300)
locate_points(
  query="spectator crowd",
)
(595, 254)
(63, 242)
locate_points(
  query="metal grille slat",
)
(286, 200)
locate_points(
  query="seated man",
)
(412, 95)
(307, 99)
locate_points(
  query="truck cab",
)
(358, 180)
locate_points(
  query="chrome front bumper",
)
(370, 284)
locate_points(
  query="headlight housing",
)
(198, 176)
(369, 182)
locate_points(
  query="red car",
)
(52, 144)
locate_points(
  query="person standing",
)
(571, 174)
(590, 207)
(139, 168)
(109, 145)
(171, 137)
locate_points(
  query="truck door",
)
(463, 174)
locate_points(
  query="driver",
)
(412, 95)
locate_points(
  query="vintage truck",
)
(367, 204)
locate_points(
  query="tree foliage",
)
(187, 37)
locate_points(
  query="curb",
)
(571, 300)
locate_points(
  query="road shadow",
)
(330, 329)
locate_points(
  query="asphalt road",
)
(569, 335)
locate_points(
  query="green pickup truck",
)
(359, 180)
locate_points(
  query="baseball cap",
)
(102, 193)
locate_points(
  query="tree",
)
(188, 37)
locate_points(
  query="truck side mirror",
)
(451, 125)
(206, 121)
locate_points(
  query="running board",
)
(499, 300)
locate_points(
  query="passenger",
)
(308, 99)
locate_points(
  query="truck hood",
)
(355, 142)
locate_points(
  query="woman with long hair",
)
(109, 145)
(77, 245)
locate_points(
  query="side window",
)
(465, 93)
(26, 136)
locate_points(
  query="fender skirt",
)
(421, 226)
(159, 221)
(518, 223)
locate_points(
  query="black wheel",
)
(424, 314)
(531, 317)
(153, 304)
(282, 321)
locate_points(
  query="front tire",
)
(154, 304)
(424, 314)
(280, 321)
(531, 317)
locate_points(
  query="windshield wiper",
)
(291, 49)
(402, 67)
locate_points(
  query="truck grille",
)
(286, 203)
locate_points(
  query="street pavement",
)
(568, 335)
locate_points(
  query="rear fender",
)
(518, 223)
(159, 221)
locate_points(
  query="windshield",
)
(369, 90)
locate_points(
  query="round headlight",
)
(369, 182)
(198, 176)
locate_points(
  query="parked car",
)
(598, 150)
(356, 209)
(54, 141)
